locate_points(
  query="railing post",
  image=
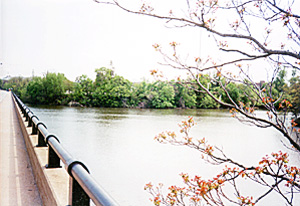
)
(41, 139)
(77, 195)
(28, 119)
(53, 158)
(26, 114)
(34, 127)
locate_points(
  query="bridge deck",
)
(17, 184)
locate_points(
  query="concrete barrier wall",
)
(53, 184)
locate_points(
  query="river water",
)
(118, 146)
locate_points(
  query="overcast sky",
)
(75, 37)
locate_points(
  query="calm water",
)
(117, 146)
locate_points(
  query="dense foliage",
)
(112, 90)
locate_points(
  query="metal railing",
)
(83, 186)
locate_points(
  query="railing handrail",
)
(76, 169)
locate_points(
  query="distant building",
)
(6, 79)
(260, 84)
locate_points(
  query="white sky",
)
(75, 37)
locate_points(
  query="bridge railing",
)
(83, 186)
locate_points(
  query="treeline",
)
(111, 90)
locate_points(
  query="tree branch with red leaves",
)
(236, 26)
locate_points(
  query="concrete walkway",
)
(17, 184)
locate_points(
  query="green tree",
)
(234, 93)
(206, 102)
(111, 90)
(139, 93)
(36, 91)
(184, 97)
(203, 99)
(18, 85)
(161, 95)
(54, 88)
(280, 80)
(295, 95)
(83, 90)
(47, 90)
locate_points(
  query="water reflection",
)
(118, 146)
